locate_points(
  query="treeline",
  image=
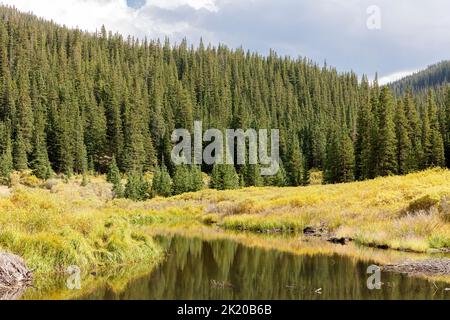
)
(74, 102)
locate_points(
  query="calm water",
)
(196, 269)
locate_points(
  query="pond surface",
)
(208, 270)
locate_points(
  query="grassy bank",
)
(408, 213)
(65, 225)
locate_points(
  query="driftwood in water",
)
(437, 267)
(15, 277)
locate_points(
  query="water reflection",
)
(196, 269)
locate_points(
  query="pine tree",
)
(162, 183)
(279, 179)
(20, 153)
(331, 168)
(225, 177)
(437, 156)
(447, 128)
(364, 139)
(295, 165)
(387, 142)
(136, 188)
(6, 160)
(404, 145)
(432, 141)
(197, 179)
(115, 178)
(346, 159)
(340, 160)
(216, 178)
(415, 134)
(252, 175)
(229, 177)
(24, 125)
(182, 180)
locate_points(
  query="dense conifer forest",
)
(73, 102)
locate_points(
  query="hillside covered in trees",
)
(434, 76)
(74, 102)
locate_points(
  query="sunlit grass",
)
(407, 213)
(54, 230)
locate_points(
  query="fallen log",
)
(15, 277)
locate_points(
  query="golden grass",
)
(409, 212)
(55, 229)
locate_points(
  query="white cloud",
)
(395, 76)
(114, 14)
(209, 5)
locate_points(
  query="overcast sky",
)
(411, 35)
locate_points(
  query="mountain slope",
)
(434, 76)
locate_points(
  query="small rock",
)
(343, 241)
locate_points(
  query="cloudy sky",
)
(403, 35)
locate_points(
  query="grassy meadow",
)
(409, 213)
(57, 223)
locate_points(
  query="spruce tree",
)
(364, 139)
(331, 168)
(387, 141)
(346, 159)
(225, 177)
(252, 175)
(295, 165)
(115, 178)
(6, 160)
(447, 127)
(182, 180)
(230, 178)
(404, 145)
(162, 183)
(415, 134)
(197, 179)
(279, 179)
(437, 156)
(20, 153)
(340, 160)
(136, 188)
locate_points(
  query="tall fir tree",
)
(404, 146)
(6, 158)
(162, 183)
(115, 178)
(387, 141)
